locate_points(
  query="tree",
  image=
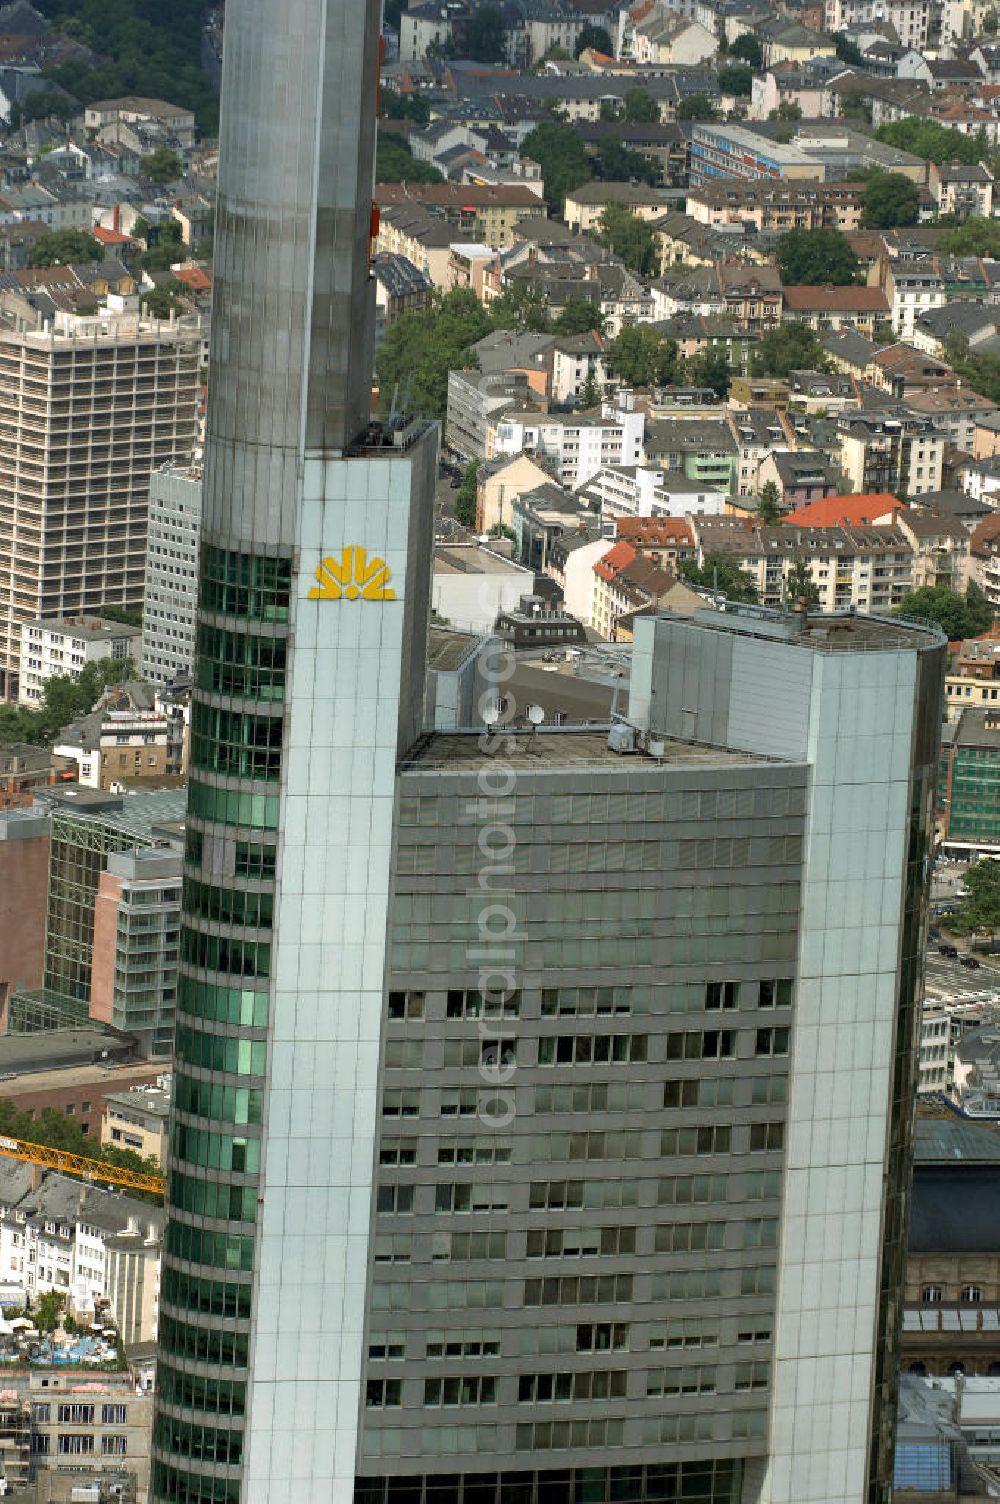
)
(790, 347)
(736, 79)
(958, 616)
(974, 237)
(144, 49)
(42, 104)
(696, 107)
(419, 349)
(620, 164)
(814, 258)
(162, 165)
(719, 573)
(769, 508)
(522, 307)
(889, 199)
(748, 48)
(710, 367)
(641, 107)
(639, 356)
(164, 300)
(396, 106)
(486, 35)
(631, 238)
(562, 156)
(612, 109)
(57, 1131)
(989, 22)
(395, 163)
(847, 51)
(465, 501)
(980, 909)
(788, 109)
(590, 392)
(931, 140)
(577, 316)
(48, 1312)
(61, 247)
(165, 245)
(595, 37)
(800, 585)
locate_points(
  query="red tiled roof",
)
(614, 560)
(196, 277)
(847, 511)
(836, 299)
(110, 237)
(643, 531)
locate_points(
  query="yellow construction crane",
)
(76, 1164)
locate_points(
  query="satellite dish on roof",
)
(536, 714)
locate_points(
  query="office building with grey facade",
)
(541, 1098)
(171, 587)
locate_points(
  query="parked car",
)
(951, 951)
(971, 963)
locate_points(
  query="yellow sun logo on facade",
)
(353, 577)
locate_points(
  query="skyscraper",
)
(91, 406)
(541, 1098)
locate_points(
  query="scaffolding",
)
(15, 1440)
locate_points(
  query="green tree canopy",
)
(486, 35)
(816, 257)
(166, 248)
(164, 300)
(974, 237)
(61, 247)
(769, 508)
(590, 392)
(577, 316)
(748, 48)
(396, 106)
(640, 106)
(639, 356)
(889, 199)
(737, 79)
(596, 37)
(162, 165)
(710, 367)
(612, 109)
(56, 1131)
(847, 51)
(718, 572)
(800, 585)
(423, 347)
(395, 163)
(557, 148)
(619, 164)
(980, 910)
(522, 307)
(927, 138)
(696, 107)
(958, 616)
(144, 48)
(465, 501)
(790, 347)
(631, 238)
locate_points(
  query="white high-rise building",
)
(171, 596)
(90, 407)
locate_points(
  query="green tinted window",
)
(239, 663)
(192, 1488)
(227, 1005)
(230, 905)
(217, 1250)
(213, 1198)
(201, 1443)
(206, 1343)
(245, 585)
(195, 1392)
(209, 1297)
(206, 1099)
(237, 1057)
(235, 742)
(255, 860)
(231, 807)
(238, 958)
(215, 1151)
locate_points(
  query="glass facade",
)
(221, 1037)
